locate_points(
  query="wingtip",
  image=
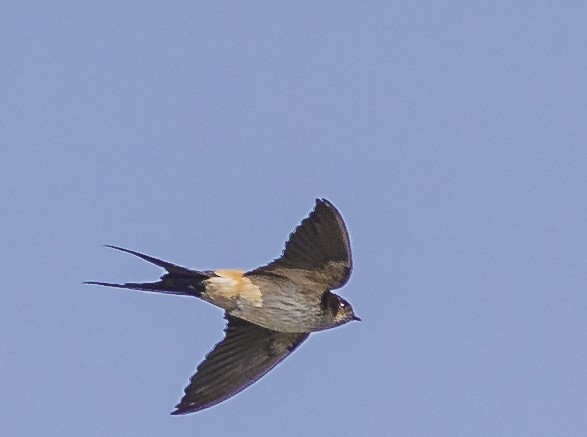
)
(181, 411)
(325, 202)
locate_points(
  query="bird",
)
(269, 310)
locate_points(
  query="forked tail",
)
(177, 280)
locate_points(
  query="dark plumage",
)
(270, 310)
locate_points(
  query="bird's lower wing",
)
(246, 353)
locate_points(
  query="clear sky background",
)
(452, 136)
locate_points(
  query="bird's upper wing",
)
(320, 245)
(246, 353)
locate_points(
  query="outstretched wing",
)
(246, 353)
(320, 245)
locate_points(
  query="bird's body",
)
(270, 310)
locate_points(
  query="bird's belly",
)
(271, 302)
(282, 314)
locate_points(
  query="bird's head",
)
(338, 310)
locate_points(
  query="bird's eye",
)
(342, 304)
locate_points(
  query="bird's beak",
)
(358, 319)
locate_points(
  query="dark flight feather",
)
(246, 353)
(319, 244)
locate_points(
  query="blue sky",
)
(451, 136)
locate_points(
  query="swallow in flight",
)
(270, 310)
